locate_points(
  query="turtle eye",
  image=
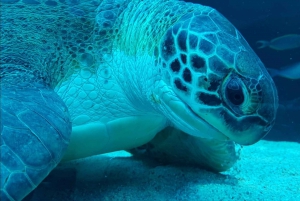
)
(238, 97)
(234, 92)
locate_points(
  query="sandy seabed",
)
(266, 171)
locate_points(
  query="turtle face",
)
(218, 77)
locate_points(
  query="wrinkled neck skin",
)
(129, 81)
(134, 59)
(126, 69)
(141, 76)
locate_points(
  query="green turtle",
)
(173, 80)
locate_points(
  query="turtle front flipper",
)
(35, 132)
(174, 146)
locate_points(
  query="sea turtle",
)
(80, 78)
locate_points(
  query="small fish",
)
(290, 105)
(290, 72)
(285, 42)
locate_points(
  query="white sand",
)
(266, 171)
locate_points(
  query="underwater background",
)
(268, 170)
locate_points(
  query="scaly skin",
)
(40, 42)
(147, 67)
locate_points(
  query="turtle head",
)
(221, 85)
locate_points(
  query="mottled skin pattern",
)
(80, 78)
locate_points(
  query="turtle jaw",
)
(245, 130)
(214, 123)
(248, 137)
(183, 117)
